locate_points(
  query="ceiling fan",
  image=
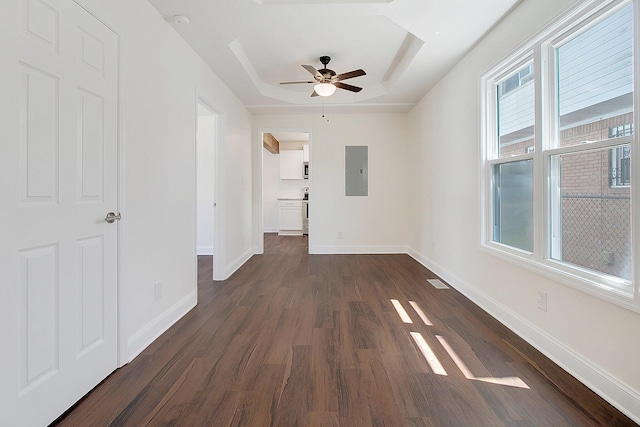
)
(326, 80)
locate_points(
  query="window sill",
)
(610, 289)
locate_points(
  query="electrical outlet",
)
(340, 236)
(158, 290)
(542, 300)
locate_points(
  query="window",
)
(620, 166)
(515, 110)
(558, 197)
(621, 130)
(516, 80)
(513, 210)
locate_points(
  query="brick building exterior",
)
(595, 221)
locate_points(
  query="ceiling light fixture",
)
(325, 89)
(181, 19)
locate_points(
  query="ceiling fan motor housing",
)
(326, 73)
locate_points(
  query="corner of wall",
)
(145, 336)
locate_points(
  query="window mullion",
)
(635, 170)
(539, 239)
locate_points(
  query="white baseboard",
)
(144, 337)
(270, 230)
(237, 263)
(290, 233)
(355, 250)
(607, 386)
(205, 250)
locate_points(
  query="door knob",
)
(112, 217)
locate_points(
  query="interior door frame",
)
(258, 216)
(219, 218)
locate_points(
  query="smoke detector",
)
(181, 19)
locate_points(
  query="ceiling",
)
(290, 136)
(405, 46)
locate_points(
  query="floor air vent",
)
(437, 283)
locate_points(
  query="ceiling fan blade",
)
(350, 75)
(314, 94)
(295, 83)
(347, 87)
(313, 71)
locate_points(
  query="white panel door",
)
(58, 180)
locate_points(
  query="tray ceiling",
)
(405, 46)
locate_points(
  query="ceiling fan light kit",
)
(324, 89)
(327, 81)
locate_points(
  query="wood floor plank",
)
(293, 339)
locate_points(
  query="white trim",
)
(357, 250)
(220, 194)
(635, 146)
(619, 394)
(290, 233)
(591, 146)
(236, 264)
(205, 250)
(148, 334)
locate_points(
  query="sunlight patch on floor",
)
(404, 316)
(506, 381)
(418, 310)
(428, 354)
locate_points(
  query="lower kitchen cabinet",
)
(290, 217)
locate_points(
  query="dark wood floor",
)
(298, 340)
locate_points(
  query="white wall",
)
(376, 223)
(161, 78)
(205, 180)
(595, 340)
(270, 187)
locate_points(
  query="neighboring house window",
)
(516, 80)
(621, 130)
(559, 197)
(621, 166)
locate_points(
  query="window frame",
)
(539, 51)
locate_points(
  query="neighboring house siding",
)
(516, 112)
(591, 87)
(586, 80)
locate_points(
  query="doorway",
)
(206, 131)
(285, 183)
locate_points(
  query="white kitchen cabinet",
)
(305, 153)
(291, 164)
(290, 216)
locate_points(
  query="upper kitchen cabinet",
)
(291, 164)
(305, 153)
